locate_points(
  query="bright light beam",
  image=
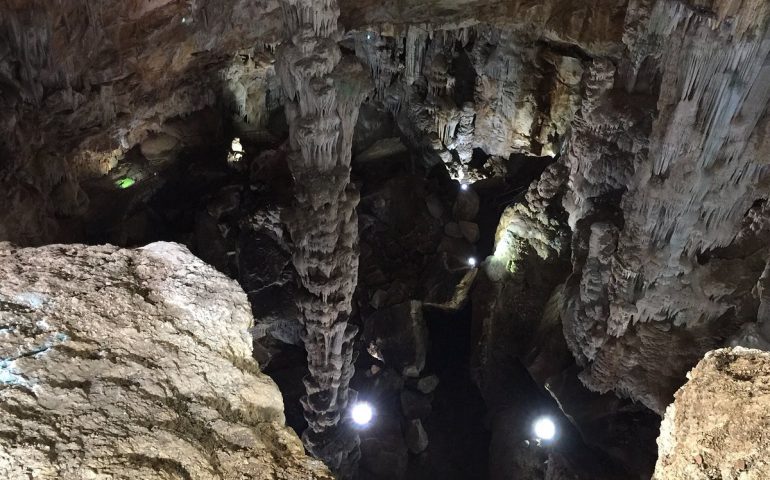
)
(544, 429)
(362, 413)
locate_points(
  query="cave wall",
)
(653, 285)
(642, 246)
(83, 82)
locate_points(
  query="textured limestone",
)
(597, 25)
(133, 364)
(523, 275)
(717, 426)
(478, 86)
(669, 271)
(83, 82)
(665, 208)
(658, 110)
(325, 92)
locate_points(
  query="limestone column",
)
(324, 92)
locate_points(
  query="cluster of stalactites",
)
(324, 93)
(320, 15)
(381, 54)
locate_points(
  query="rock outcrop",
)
(717, 426)
(133, 364)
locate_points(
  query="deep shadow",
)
(459, 441)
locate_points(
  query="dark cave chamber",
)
(459, 436)
(228, 214)
(551, 208)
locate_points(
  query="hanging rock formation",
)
(622, 144)
(83, 82)
(478, 86)
(324, 92)
(668, 272)
(134, 364)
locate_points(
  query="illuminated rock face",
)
(669, 272)
(717, 426)
(118, 363)
(324, 94)
(83, 83)
(456, 89)
(663, 191)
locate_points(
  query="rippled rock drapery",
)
(122, 363)
(668, 211)
(324, 92)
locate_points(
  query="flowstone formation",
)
(668, 210)
(119, 363)
(619, 146)
(324, 92)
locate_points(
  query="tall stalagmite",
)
(324, 92)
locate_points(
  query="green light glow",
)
(125, 182)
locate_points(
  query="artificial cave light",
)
(125, 182)
(544, 428)
(236, 151)
(362, 413)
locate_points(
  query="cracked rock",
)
(717, 426)
(134, 364)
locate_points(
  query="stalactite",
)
(324, 93)
(378, 52)
(416, 38)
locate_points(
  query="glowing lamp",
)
(544, 429)
(362, 413)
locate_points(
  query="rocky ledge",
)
(717, 426)
(120, 363)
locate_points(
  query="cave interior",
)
(471, 216)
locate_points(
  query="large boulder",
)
(133, 364)
(717, 426)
